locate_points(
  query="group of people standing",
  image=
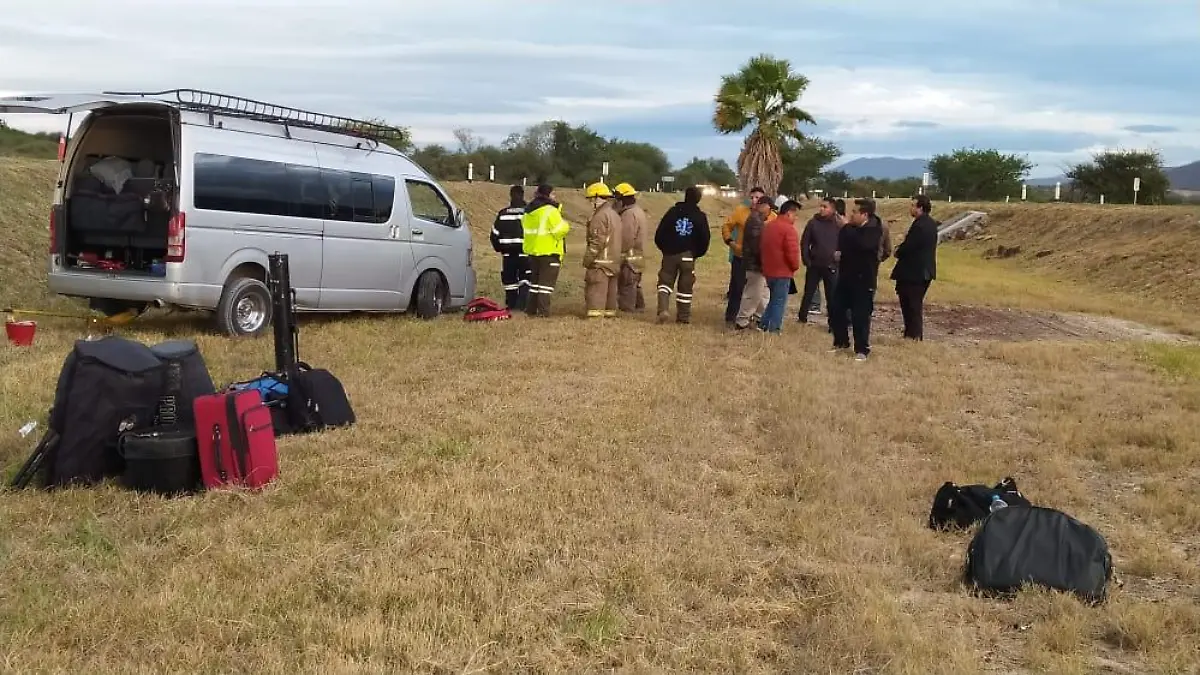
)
(838, 251)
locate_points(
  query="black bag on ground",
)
(316, 400)
(1036, 545)
(961, 506)
(187, 378)
(106, 387)
(162, 461)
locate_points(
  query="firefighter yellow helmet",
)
(597, 190)
(625, 190)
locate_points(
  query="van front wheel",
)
(431, 295)
(245, 308)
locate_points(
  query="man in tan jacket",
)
(602, 260)
(633, 237)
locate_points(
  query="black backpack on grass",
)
(106, 387)
(958, 507)
(316, 400)
(1034, 545)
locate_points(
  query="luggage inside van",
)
(120, 196)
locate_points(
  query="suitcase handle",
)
(216, 451)
(247, 411)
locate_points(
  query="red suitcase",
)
(236, 439)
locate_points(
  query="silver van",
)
(176, 198)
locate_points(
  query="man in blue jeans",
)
(779, 251)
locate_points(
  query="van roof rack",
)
(198, 100)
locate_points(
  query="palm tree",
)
(763, 94)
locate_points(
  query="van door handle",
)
(418, 231)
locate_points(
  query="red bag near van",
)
(236, 439)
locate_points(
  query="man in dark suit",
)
(916, 266)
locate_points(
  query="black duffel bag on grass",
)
(1035, 545)
(961, 506)
(316, 400)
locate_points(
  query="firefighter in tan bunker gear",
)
(633, 238)
(602, 260)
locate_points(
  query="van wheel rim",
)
(249, 314)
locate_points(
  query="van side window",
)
(243, 185)
(363, 198)
(428, 204)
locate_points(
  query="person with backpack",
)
(508, 239)
(683, 238)
(858, 273)
(544, 232)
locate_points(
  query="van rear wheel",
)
(245, 308)
(431, 295)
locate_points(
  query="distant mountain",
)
(1186, 177)
(886, 168)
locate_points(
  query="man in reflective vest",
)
(544, 231)
(601, 259)
(508, 239)
(633, 238)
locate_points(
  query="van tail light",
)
(53, 230)
(175, 238)
(62, 147)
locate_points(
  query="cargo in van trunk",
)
(120, 194)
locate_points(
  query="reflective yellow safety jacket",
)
(544, 228)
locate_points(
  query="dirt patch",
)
(970, 323)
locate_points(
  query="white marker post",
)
(872, 194)
(1024, 192)
(1101, 200)
(1057, 191)
(471, 172)
(1007, 198)
(603, 171)
(1137, 186)
(925, 182)
(492, 173)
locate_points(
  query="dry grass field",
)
(565, 496)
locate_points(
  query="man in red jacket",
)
(780, 252)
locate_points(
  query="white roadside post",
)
(492, 173)
(1024, 192)
(471, 172)
(1057, 191)
(604, 172)
(1137, 186)
(1101, 200)
(925, 182)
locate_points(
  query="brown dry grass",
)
(564, 496)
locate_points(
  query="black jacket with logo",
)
(508, 236)
(683, 229)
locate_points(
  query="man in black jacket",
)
(818, 244)
(916, 266)
(508, 238)
(858, 272)
(683, 237)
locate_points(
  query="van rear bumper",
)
(134, 288)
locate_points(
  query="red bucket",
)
(20, 333)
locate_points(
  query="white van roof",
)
(205, 102)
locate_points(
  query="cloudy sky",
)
(1052, 79)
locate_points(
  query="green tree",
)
(763, 95)
(641, 164)
(1111, 174)
(835, 182)
(578, 152)
(803, 161)
(970, 173)
(398, 137)
(711, 171)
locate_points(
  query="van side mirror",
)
(460, 218)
